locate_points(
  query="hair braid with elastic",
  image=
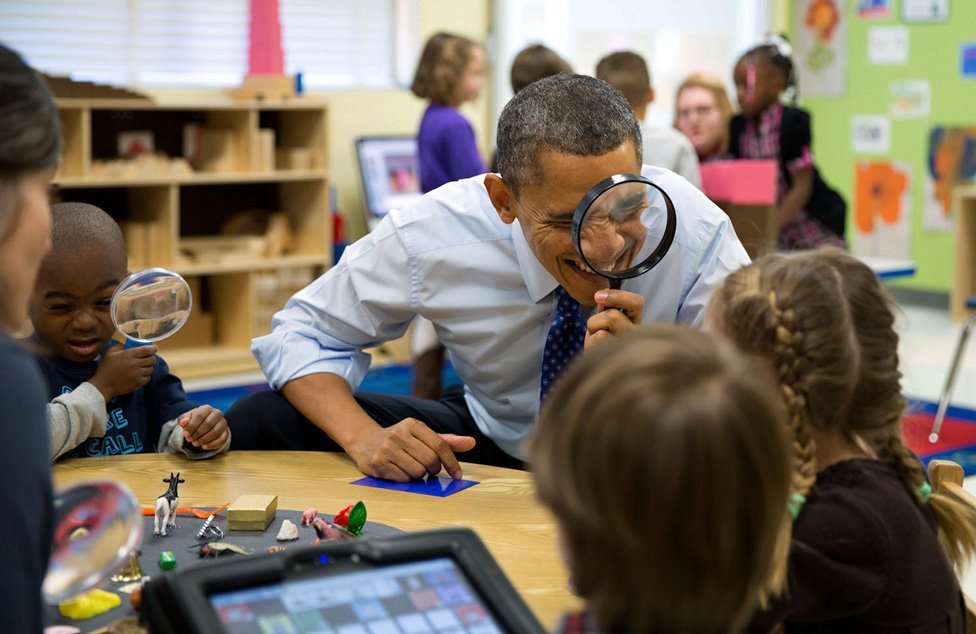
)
(790, 364)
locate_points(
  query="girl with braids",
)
(809, 212)
(865, 555)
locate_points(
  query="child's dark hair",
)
(441, 67)
(666, 422)
(534, 63)
(776, 51)
(627, 72)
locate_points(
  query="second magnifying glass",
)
(623, 227)
(151, 304)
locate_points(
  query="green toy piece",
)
(357, 518)
(167, 560)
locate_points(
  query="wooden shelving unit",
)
(234, 296)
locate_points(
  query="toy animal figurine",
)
(308, 515)
(166, 505)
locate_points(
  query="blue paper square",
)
(437, 486)
(967, 60)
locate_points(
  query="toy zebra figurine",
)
(166, 505)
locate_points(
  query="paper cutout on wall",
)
(888, 44)
(910, 99)
(870, 134)
(951, 159)
(882, 209)
(874, 8)
(821, 53)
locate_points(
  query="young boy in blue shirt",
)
(106, 399)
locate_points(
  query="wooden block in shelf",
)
(198, 331)
(296, 158)
(219, 249)
(266, 150)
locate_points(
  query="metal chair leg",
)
(951, 379)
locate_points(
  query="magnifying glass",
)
(623, 227)
(97, 526)
(150, 304)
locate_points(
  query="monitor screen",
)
(418, 596)
(390, 167)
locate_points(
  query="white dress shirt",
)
(450, 258)
(669, 148)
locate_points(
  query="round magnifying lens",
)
(151, 304)
(97, 525)
(623, 227)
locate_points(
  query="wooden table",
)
(502, 508)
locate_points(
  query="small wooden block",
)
(252, 512)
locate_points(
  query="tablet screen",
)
(408, 598)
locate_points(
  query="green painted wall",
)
(933, 55)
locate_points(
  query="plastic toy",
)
(166, 505)
(167, 560)
(89, 604)
(308, 515)
(352, 518)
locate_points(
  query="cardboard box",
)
(252, 512)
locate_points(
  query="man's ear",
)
(501, 197)
(650, 95)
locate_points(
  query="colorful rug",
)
(957, 439)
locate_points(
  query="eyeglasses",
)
(700, 111)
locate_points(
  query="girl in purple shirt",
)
(451, 72)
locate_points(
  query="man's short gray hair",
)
(566, 113)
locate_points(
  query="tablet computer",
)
(433, 581)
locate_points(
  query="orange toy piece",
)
(186, 510)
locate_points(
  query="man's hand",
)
(407, 451)
(122, 370)
(204, 427)
(617, 312)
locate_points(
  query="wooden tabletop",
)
(502, 508)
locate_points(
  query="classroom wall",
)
(373, 112)
(933, 54)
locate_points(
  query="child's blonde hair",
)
(664, 456)
(796, 315)
(441, 67)
(878, 404)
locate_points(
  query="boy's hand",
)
(204, 427)
(122, 371)
(617, 312)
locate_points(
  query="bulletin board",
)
(932, 86)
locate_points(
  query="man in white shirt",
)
(481, 259)
(663, 146)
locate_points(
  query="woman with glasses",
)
(702, 111)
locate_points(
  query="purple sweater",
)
(447, 148)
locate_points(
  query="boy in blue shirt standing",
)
(106, 400)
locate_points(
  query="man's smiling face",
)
(545, 212)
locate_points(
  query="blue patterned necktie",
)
(564, 341)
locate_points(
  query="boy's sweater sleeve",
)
(75, 417)
(171, 441)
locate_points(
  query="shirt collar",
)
(538, 281)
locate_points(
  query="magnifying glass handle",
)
(615, 284)
(132, 343)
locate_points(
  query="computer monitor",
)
(390, 169)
